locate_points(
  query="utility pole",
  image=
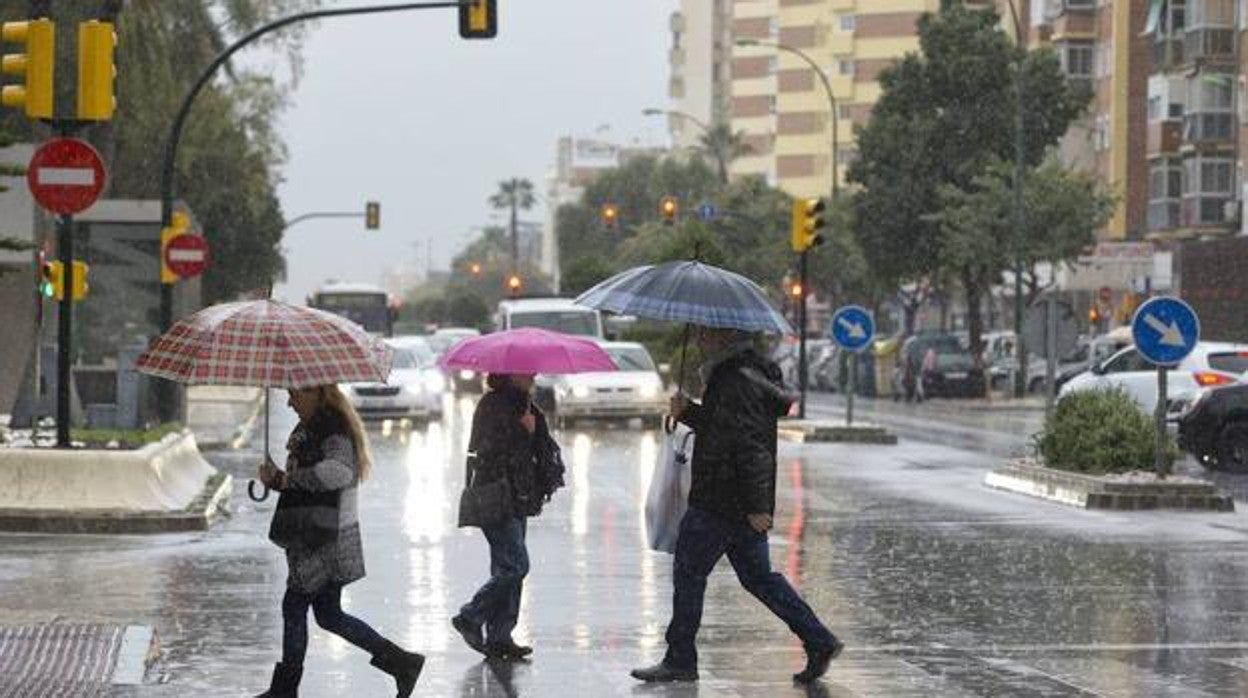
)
(1020, 374)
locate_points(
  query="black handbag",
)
(483, 504)
(305, 519)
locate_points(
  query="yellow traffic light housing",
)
(372, 215)
(807, 224)
(36, 66)
(478, 19)
(97, 73)
(80, 285)
(668, 209)
(610, 216)
(52, 280)
(180, 225)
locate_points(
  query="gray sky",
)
(399, 109)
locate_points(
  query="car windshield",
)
(439, 343)
(403, 358)
(568, 322)
(420, 351)
(631, 359)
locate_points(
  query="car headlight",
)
(467, 375)
(435, 382)
(580, 391)
(649, 390)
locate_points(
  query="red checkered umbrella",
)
(267, 344)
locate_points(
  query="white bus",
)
(364, 304)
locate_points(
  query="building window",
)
(845, 112)
(1165, 191)
(772, 64)
(773, 27)
(1078, 58)
(1080, 4)
(849, 23)
(1208, 186)
(1211, 108)
(771, 104)
(845, 66)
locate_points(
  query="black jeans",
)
(704, 538)
(327, 607)
(496, 605)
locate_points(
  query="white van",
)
(556, 314)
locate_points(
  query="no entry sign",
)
(65, 175)
(187, 255)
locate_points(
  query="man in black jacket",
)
(731, 504)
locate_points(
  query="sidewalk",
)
(73, 659)
(222, 416)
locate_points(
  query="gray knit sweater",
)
(342, 561)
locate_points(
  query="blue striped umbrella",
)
(688, 292)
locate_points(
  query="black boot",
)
(404, 666)
(664, 673)
(285, 683)
(817, 661)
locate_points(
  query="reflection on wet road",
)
(939, 588)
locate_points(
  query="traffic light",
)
(180, 225)
(475, 269)
(80, 285)
(478, 19)
(610, 216)
(796, 290)
(807, 224)
(36, 66)
(514, 284)
(372, 215)
(52, 280)
(668, 208)
(96, 71)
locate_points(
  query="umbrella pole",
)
(251, 491)
(669, 424)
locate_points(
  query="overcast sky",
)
(399, 109)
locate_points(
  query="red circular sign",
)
(66, 175)
(187, 255)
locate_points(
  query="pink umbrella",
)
(527, 350)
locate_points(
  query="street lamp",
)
(802, 285)
(651, 111)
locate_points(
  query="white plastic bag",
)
(668, 498)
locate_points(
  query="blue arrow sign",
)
(852, 328)
(1165, 330)
(707, 212)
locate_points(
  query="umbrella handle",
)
(251, 491)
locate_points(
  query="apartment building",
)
(754, 85)
(699, 59)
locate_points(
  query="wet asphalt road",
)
(938, 586)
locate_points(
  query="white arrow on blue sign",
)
(1165, 330)
(853, 328)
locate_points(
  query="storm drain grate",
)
(61, 660)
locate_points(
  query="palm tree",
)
(723, 145)
(515, 194)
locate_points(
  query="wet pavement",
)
(938, 586)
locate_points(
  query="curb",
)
(822, 432)
(206, 509)
(1089, 492)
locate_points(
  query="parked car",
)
(1214, 428)
(1210, 364)
(634, 390)
(954, 373)
(463, 381)
(1091, 351)
(413, 390)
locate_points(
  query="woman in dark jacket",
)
(511, 441)
(316, 522)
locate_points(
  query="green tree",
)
(723, 146)
(584, 272)
(945, 114)
(514, 194)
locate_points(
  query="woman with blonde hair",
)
(316, 523)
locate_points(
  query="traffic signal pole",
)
(801, 347)
(64, 327)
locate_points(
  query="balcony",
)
(1167, 53)
(1164, 137)
(1207, 211)
(1209, 128)
(1209, 44)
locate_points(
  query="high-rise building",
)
(851, 41)
(700, 78)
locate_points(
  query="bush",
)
(123, 438)
(1098, 432)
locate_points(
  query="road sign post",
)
(1051, 330)
(853, 328)
(1165, 330)
(65, 176)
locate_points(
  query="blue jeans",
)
(327, 607)
(704, 538)
(496, 605)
